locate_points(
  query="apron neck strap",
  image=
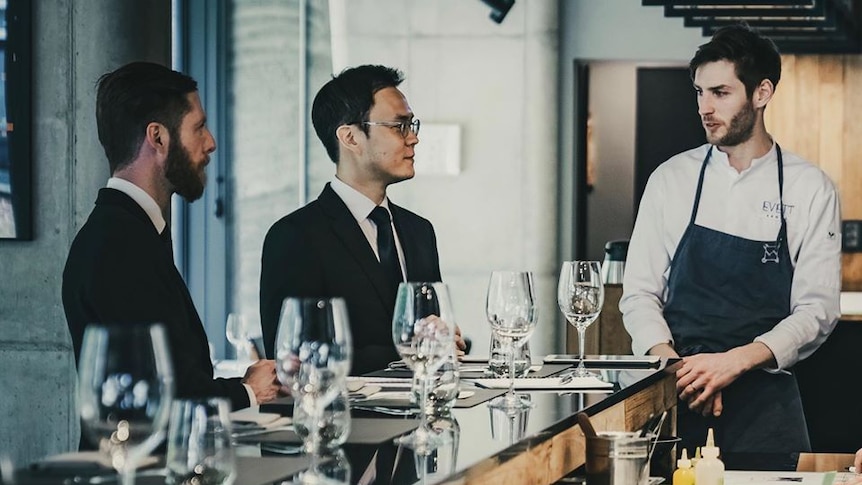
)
(780, 185)
(700, 185)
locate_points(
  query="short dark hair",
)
(754, 56)
(133, 96)
(347, 99)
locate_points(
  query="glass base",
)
(317, 477)
(579, 372)
(423, 440)
(511, 402)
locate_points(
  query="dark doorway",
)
(667, 122)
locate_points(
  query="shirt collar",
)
(142, 198)
(720, 156)
(357, 203)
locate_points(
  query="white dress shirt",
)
(745, 205)
(361, 206)
(149, 205)
(142, 198)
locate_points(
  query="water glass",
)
(423, 330)
(125, 388)
(433, 466)
(199, 446)
(443, 388)
(498, 361)
(509, 424)
(335, 427)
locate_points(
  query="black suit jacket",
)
(119, 270)
(320, 251)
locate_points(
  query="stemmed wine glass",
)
(313, 352)
(125, 388)
(580, 294)
(423, 330)
(511, 309)
(238, 333)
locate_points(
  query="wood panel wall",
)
(815, 113)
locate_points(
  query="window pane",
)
(264, 130)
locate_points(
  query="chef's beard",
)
(740, 129)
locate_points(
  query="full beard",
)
(740, 129)
(186, 179)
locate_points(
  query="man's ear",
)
(763, 93)
(348, 138)
(157, 137)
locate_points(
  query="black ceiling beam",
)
(818, 9)
(796, 26)
(656, 3)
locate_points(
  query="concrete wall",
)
(498, 83)
(74, 42)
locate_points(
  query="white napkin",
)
(86, 459)
(405, 395)
(252, 416)
(549, 383)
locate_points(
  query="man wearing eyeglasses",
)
(353, 242)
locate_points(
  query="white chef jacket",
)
(745, 205)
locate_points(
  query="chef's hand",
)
(701, 376)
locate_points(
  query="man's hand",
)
(261, 377)
(703, 376)
(460, 344)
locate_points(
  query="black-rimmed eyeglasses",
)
(405, 127)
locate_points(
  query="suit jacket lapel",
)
(346, 228)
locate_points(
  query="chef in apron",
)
(733, 306)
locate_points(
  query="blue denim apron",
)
(723, 291)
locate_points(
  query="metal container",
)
(617, 458)
(614, 265)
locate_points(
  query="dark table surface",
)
(477, 434)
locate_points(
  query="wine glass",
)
(511, 310)
(238, 333)
(199, 446)
(125, 388)
(313, 352)
(423, 330)
(580, 294)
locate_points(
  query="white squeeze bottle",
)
(709, 469)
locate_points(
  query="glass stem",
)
(511, 394)
(581, 332)
(316, 428)
(127, 476)
(423, 398)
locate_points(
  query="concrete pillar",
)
(74, 42)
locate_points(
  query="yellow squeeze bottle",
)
(709, 470)
(684, 475)
(696, 457)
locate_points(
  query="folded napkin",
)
(83, 461)
(251, 416)
(548, 383)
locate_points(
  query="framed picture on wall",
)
(16, 217)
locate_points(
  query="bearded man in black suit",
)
(353, 242)
(120, 267)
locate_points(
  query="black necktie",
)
(386, 245)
